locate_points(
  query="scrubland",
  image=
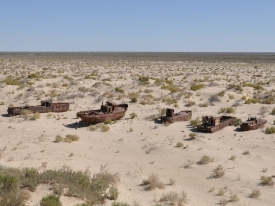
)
(136, 160)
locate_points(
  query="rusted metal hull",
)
(180, 116)
(55, 107)
(225, 121)
(251, 125)
(98, 116)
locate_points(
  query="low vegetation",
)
(153, 182)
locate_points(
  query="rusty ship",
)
(44, 107)
(172, 117)
(213, 124)
(253, 123)
(109, 110)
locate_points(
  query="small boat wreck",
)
(213, 124)
(110, 110)
(44, 107)
(172, 117)
(253, 123)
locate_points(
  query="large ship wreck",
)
(253, 123)
(213, 124)
(44, 107)
(172, 117)
(110, 110)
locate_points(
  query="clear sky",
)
(138, 25)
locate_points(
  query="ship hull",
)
(56, 107)
(180, 116)
(97, 116)
(212, 129)
(246, 127)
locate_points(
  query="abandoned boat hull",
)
(180, 116)
(253, 124)
(225, 121)
(98, 116)
(43, 108)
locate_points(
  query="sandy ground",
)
(150, 148)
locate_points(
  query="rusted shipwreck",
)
(213, 124)
(253, 123)
(110, 111)
(46, 106)
(172, 117)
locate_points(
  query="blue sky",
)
(138, 25)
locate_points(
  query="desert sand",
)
(139, 147)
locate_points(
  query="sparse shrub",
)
(190, 104)
(221, 192)
(223, 202)
(196, 87)
(70, 138)
(195, 122)
(270, 130)
(226, 110)
(25, 113)
(237, 122)
(153, 182)
(118, 89)
(133, 97)
(105, 128)
(179, 144)
(133, 115)
(58, 138)
(255, 193)
(233, 157)
(92, 128)
(218, 172)
(267, 181)
(205, 160)
(203, 104)
(35, 116)
(108, 121)
(273, 111)
(113, 193)
(234, 198)
(51, 200)
(131, 129)
(120, 204)
(246, 153)
(173, 198)
(214, 98)
(193, 135)
(172, 181)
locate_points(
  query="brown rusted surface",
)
(213, 124)
(110, 110)
(172, 117)
(253, 123)
(46, 106)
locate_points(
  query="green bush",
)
(195, 122)
(273, 111)
(51, 200)
(196, 87)
(226, 110)
(133, 115)
(270, 130)
(108, 121)
(120, 204)
(113, 193)
(35, 116)
(179, 144)
(70, 138)
(58, 138)
(237, 122)
(105, 128)
(120, 90)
